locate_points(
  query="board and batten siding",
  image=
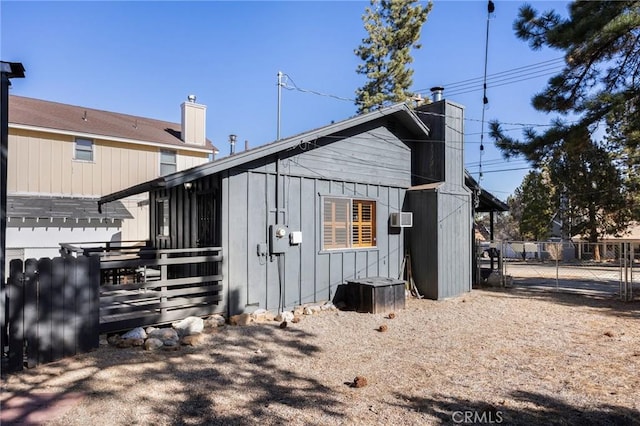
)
(373, 165)
(43, 163)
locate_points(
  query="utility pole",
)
(8, 70)
(279, 103)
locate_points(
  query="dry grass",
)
(528, 358)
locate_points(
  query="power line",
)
(526, 69)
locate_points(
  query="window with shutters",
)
(348, 223)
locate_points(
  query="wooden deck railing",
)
(158, 286)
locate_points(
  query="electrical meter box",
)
(278, 239)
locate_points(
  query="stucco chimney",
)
(193, 125)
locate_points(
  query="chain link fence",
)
(603, 269)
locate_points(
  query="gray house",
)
(300, 216)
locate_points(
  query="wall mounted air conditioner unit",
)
(401, 220)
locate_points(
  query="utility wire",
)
(485, 100)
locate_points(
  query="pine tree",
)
(393, 28)
(537, 204)
(599, 86)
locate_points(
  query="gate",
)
(50, 310)
(597, 269)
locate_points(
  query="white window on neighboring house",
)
(162, 217)
(84, 149)
(168, 162)
(348, 223)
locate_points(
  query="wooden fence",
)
(50, 310)
(55, 308)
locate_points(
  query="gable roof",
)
(400, 110)
(53, 116)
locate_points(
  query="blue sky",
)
(145, 57)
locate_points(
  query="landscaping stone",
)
(189, 325)
(136, 333)
(242, 319)
(262, 316)
(216, 320)
(192, 340)
(153, 343)
(285, 316)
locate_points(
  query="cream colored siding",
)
(41, 162)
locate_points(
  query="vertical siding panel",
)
(272, 287)
(293, 272)
(257, 233)
(57, 166)
(336, 274)
(22, 164)
(105, 162)
(44, 174)
(238, 238)
(308, 220)
(348, 267)
(322, 268)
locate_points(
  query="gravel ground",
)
(495, 356)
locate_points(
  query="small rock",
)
(296, 319)
(307, 311)
(189, 325)
(124, 343)
(165, 334)
(137, 342)
(359, 382)
(242, 319)
(170, 343)
(328, 306)
(113, 339)
(192, 340)
(150, 329)
(152, 343)
(391, 315)
(285, 316)
(609, 333)
(136, 333)
(283, 324)
(383, 328)
(262, 316)
(299, 310)
(216, 320)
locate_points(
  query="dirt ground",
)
(510, 356)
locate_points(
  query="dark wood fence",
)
(55, 308)
(50, 310)
(152, 287)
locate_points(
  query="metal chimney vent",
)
(436, 93)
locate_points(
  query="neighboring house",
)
(610, 245)
(300, 216)
(62, 158)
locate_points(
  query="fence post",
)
(30, 283)
(57, 307)
(16, 319)
(45, 311)
(557, 266)
(88, 303)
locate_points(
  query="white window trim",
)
(160, 163)
(75, 150)
(350, 224)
